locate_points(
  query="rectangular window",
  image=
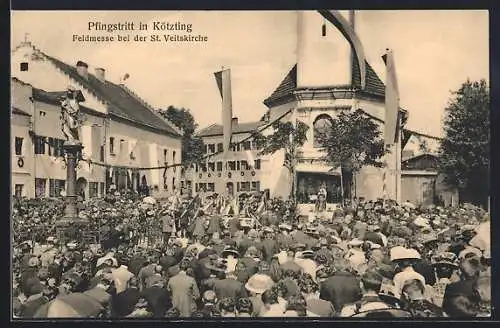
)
(111, 145)
(247, 145)
(237, 186)
(18, 190)
(219, 166)
(196, 187)
(39, 145)
(244, 165)
(51, 146)
(102, 186)
(238, 166)
(205, 149)
(256, 164)
(210, 187)
(165, 153)
(255, 186)
(245, 186)
(101, 154)
(211, 148)
(19, 146)
(202, 186)
(40, 185)
(93, 189)
(231, 165)
(203, 167)
(220, 147)
(122, 145)
(55, 187)
(173, 158)
(23, 67)
(211, 167)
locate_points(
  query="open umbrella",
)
(149, 200)
(482, 239)
(75, 305)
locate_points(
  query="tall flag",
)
(391, 99)
(347, 30)
(250, 159)
(223, 79)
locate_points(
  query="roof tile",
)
(216, 129)
(374, 86)
(120, 100)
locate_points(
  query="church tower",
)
(323, 53)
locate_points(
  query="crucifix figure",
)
(70, 112)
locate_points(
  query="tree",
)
(287, 136)
(353, 141)
(192, 146)
(465, 150)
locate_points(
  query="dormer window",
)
(23, 67)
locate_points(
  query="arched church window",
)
(322, 126)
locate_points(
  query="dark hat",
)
(297, 247)
(372, 277)
(230, 251)
(445, 258)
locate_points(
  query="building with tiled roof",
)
(240, 172)
(126, 141)
(237, 128)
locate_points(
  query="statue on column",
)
(70, 114)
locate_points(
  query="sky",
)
(434, 51)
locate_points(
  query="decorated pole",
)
(69, 226)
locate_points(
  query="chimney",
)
(83, 69)
(100, 74)
(234, 122)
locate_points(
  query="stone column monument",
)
(69, 227)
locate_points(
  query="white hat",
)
(259, 283)
(355, 242)
(411, 275)
(470, 250)
(402, 253)
(72, 244)
(421, 222)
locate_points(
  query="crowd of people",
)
(368, 259)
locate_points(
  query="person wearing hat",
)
(35, 298)
(414, 300)
(371, 282)
(404, 260)
(184, 291)
(122, 304)
(269, 244)
(168, 221)
(256, 286)
(29, 273)
(340, 287)
(157, 296)
(228, 287)
(48, 255)
(460, 296)
(356, 255)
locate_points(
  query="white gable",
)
(43, 74)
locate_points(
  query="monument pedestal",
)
(70, 226)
